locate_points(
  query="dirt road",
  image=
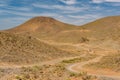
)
(77, 67)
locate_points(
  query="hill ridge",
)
(41, 23)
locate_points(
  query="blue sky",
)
(78, 12)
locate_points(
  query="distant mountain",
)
(107, 28)
(106, 23)
(42, 27)
(41, 24)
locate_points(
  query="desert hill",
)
(46, 25)
(102, 31)
(42, 27)
(17, 49)
(42, 24)
(107, 28)
(104, 23)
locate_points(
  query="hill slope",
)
(111, 61)
(107, 28)
(17, 49)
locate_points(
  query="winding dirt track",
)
(15, 68)
(51, 62)
(77, 67)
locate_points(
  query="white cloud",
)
(19, 8)
(116, 4)
(1, 5)
(61, 7)
(112, 0)
(15, 21)
(74, 21)
(69, 2)
(87, 16)
(11, 22)
(98, 1)
(5, 5)
(27, 14)
(101, 1)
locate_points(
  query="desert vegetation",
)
(75, 60)
(110, 61)
(49, 72)
(52, 72)
(19, 49)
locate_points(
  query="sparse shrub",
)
(83, 39)
(73, 74)
(18, 77)
(111, 61)
(87, 77)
